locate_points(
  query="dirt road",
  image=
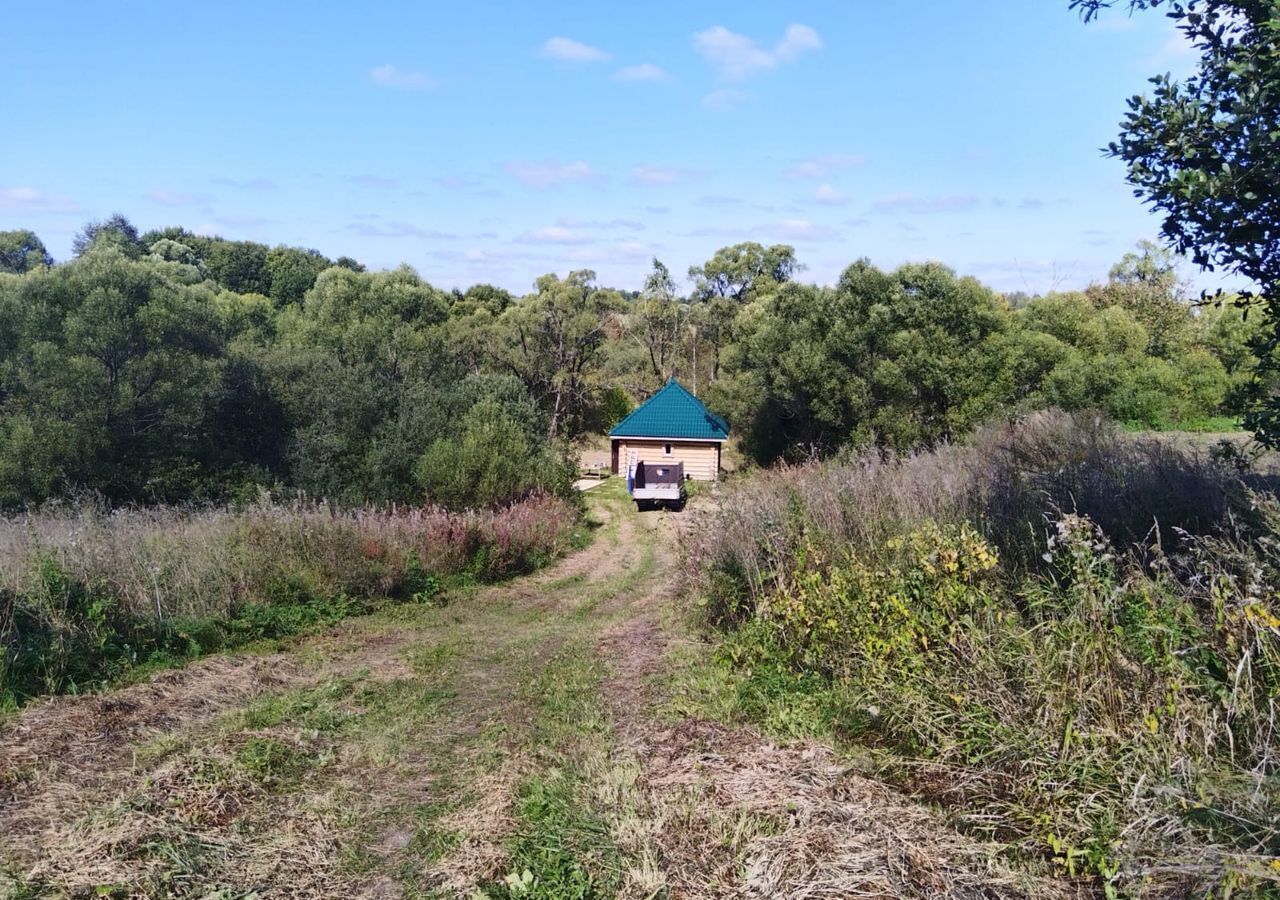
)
(519, 742)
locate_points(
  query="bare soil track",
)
(389, 757)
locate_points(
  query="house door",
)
(613, 456)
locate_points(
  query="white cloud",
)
(801, 229)
(239, 221)
(642, 72)
(724, 98)
(568, 50)
(399, 230)
(830, 196)
(632, 250)
(248, 184)
(555, 234)
(1177, 51)
(173, 198)
(33, 201)
(644, 174)
(404, 79)
(550, 174)
(822, 166)
(736, 57)
(718, 200)
(912, 204)
(618, 224)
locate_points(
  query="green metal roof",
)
(673, 412)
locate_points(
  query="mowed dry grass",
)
(522, 731)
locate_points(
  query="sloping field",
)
(521, 741)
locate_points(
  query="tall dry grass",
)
(1066, 636)
(1008, 479)
(85, 592)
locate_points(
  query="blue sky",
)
(497, 141)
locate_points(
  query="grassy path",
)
(522, 741)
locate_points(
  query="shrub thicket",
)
(1066, 636)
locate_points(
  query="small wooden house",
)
(672, 426)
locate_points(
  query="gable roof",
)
(673, 412)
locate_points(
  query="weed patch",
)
(1108, 708)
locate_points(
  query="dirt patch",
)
(65, 749)
(811, 829)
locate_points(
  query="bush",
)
(491, 462)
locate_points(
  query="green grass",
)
(563, 848)
(491, 693)
(1205, 425)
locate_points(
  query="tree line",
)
(175, 367)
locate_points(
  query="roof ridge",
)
(661, 415)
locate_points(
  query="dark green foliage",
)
(491, 460)
(292, 272)
(1202, 152)
(176, 367)
(191, 370)
(118, 366)
(116, 231)
(21, 251)
(911, 357)
(899, 358)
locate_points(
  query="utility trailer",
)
(652, 485)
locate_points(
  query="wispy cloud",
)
(618, 224)
(379, 182)
(822, 166)
(634, 250)
(400, 230)
(544, 175)
(33, 201)
(173, 198)
(1176, 52)
(718, 200)
(725, 98)
(800, 230)
(247, 184)
(736, 57)
(241, 221)
(659, 175)
(642, 72)
(830, 196)
(405, 79)
(555, 234)
(568, 50)
(915, 205)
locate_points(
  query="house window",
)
(666, 449)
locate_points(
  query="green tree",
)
(658, 321)
(1146, 284)
(116, 369)
(488, 459)
(898, 358)
(239, 266)
(117, 231)
(1203, 153)
(292, 271)
(553, 339)
(732, 278)
(21, 251)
